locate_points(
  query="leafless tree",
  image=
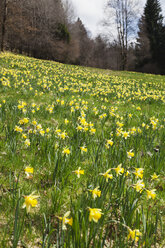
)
(69, 12)
(121, 16)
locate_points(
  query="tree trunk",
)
(3, 25)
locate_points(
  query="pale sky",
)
(91, 12)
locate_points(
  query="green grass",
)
(89, 106)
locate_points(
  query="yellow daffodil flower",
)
(47, 130)
(134, 234)
(139, 172)
(63, 135)
(66, 220)
(154, 176)
(83, 149)
(94, 214)
(92, 130)
(107, 175)
(119, 170)
(66, 151)
(28, 171)
(151, 194)
(130, 154)
(30, 201)
(66, 121)
(110, 142)
(139, 186)
(125, 135)
(95, 192)
(18, 129)
(42, 132)
(34, 123)
(79, 172)
(79, 128)
(27, 142)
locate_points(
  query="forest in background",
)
(47, 29)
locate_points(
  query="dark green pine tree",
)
(155, 31)
(142, 49)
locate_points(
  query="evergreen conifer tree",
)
(155, 31)
(142, 49)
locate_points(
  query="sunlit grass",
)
(82, 156)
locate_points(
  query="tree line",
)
(47, 29)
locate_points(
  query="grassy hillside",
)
(82, 156)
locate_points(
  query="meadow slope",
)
(82, 156)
